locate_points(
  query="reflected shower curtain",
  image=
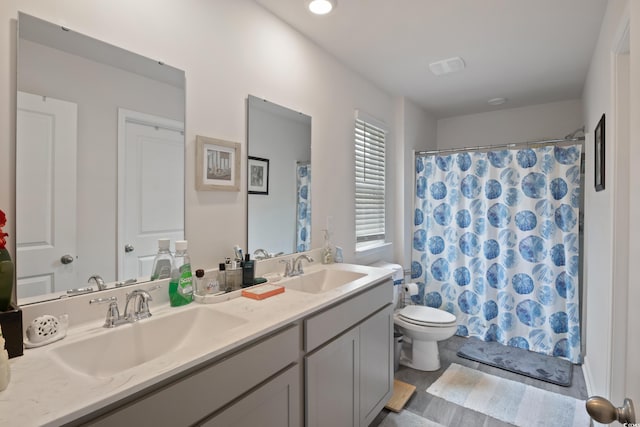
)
(496, 243)
(303, 206)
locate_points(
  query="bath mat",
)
(508, 401)
(407, 419)
(535, 365)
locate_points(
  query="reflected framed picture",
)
(258, 179)
(599, 153)
(217, 164)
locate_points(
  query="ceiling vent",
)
(447, 66)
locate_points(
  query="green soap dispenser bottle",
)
(181, 284)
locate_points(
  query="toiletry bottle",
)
(248, 271)
(327, 252)
(163, 262)
(201, 285)
(181, 286)
(222, 277)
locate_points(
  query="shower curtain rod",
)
(539, 143)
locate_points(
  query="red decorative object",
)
(6, 267)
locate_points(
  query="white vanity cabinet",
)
(349, 375)
(276, 403)
(332, 367)
(260, 381)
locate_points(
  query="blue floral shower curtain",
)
(496, 243)
(303, 207)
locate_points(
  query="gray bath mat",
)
(535, 365)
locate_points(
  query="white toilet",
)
(421, 326)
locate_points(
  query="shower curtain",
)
(303, 206)
(496, 243)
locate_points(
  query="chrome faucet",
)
(140, 298)
(296, 268)
(99, 281)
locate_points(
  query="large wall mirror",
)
(278, 179)
(99, 161)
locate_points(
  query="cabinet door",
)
(376, 364)
(332, 383)
(277, 403)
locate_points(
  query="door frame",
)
(129, 116)
(621, 80)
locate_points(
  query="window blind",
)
(370, 181)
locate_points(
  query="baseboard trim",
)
(586, 371)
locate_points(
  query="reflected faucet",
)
(296, 269)
(99, 281)
(261, 254)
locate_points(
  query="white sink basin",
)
(322, 280)
(108, 352)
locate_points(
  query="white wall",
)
(416, 131)
(536, 122)
(228, 49)
(599, 206)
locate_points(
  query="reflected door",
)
(151, 189)
(46, 131)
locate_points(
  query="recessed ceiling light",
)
(447, 66)
(321, 7)
(497, 101)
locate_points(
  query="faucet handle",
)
(102, 300)
(288, 269)
(126, 282)
(113, 313)
(153, 288)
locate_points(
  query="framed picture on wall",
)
(258, 179)
(217, 164)
(599, 151)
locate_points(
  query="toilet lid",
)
(429, 316)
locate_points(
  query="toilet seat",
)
(426, 316)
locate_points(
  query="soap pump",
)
(327, 252)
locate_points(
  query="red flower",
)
(3, 222)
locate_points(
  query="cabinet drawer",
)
(332, 322)
(194, 397)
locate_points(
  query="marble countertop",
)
(45, 392)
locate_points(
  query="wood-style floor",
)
(449, 414)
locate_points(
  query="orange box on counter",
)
(262, 291)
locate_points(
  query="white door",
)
(632, 385)
(150, 189)
(625, 340)
(46, 131)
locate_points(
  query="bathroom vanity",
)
(318, 354)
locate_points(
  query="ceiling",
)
(528, 51)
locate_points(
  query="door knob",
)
(603, 411)
(66, 259)
(128, 248)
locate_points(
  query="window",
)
(370, 180)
